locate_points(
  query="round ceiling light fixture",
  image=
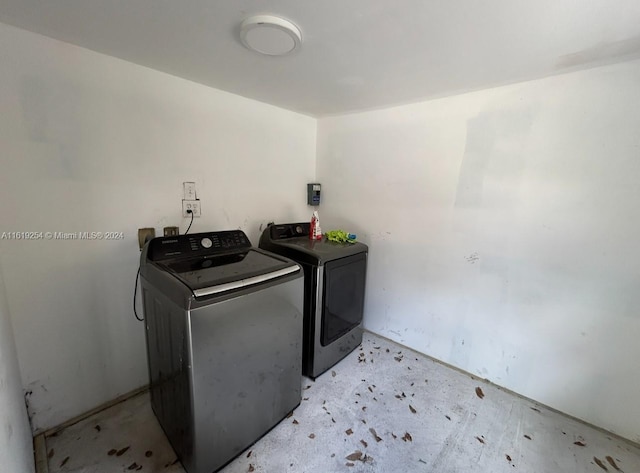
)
(270, 35)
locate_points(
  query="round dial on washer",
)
(298, 229)
(206, 242)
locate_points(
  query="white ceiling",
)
(356, 54)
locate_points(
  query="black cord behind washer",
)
(190, 223)
(135, 293)
(135, 289)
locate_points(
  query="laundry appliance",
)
(334, 292)
(224, 327)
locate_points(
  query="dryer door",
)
(343, 296)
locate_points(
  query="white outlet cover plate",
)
(193, 205)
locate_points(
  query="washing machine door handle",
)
(242, 283)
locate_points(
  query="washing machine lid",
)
(213, 262)
(215, 274)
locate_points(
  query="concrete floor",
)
(383, 408)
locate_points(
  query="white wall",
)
(503, 230)
(16, 448)
(93, 143)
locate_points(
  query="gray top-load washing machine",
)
(334, 291)
(224, 340)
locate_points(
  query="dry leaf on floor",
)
(249, 454)
(121, 452)
(295, 422)
(333, 374)
(375, 435)
(364, 443)
(350, 464)
(612, 462)
(251, 468)
(580, 444)
(600, 464)
(357, 455)
(312, 436)
(527, 437)
(148, 453)
(133, 466)
(407, 437)
(413, 411)
(111, 452)
(64, 462)
(98, 428)
(508, 457)
(480, 440)
(479, 392)
(348, 431)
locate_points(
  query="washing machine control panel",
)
(197, 244)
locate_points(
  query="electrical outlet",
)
(145, 234)
(171, 231)
(193, 205)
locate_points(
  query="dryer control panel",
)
(197, 244)
(289, 230)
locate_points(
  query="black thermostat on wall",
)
(313, 194)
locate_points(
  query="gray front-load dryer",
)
(334, 292)
(224, 341)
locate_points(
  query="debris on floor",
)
(405, 412)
